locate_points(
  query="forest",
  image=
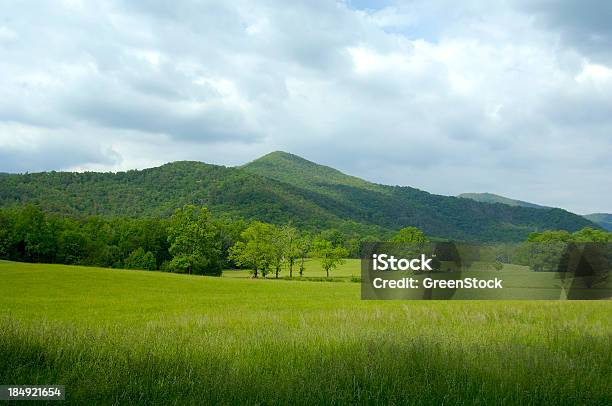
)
(193, 241)
(190, 241)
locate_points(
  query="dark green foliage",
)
(29, 234)
(395, 207)
(194, 242)
(587, 234)
(139, 259)
(280, 188)
(553, 250)
(189, 242)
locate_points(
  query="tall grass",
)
(133, 337)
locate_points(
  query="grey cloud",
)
(210, 125)
(583, 25)
(49, 155)
(449, 97)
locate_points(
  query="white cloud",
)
(594, 73)
(449, 97)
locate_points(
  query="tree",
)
(139, 259)
(589, 234)
(329, 255)
(255, 250)
(409, 235)
(334, 236)
(278, 249)
(410, 241)
(6, 235)
(72, 246)
(34, 235)
(304, 244)
(292, 249)
(550, 236)
(194, 243)
(229, 233)
(553, 250)
(355, 245)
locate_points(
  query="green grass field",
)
(129, 337)
(351, 268)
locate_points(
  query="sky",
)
(510, 97)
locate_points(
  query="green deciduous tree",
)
(6, 234)
(589, 234)
(194, 243)
(291, 240)
(334, 236)
(72, 246)
(329, 255)
(139, 259)
(278, 250)
(304, 245)
(33, 235)
(255, 250)
(409, 235)
(550, 236)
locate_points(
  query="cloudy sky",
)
(509, 97)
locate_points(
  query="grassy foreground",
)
(129, 337)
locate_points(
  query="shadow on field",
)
(199, 365)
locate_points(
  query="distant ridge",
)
(493, 198)
(279, 188)
(603, 219)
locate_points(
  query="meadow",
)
(138, 337)
(349, 270)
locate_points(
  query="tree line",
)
(190, 241)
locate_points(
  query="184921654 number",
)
(32, 392)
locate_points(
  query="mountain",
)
(602, 219)
(279, 188)
(396, 206)
(493, 198)
(295, 170)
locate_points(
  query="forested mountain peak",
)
(280, 188)
(294, 169)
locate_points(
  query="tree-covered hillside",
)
(603, 219)
(399, 206)
(280, 188)
(493, 198)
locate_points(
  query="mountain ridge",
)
(603, 220)
(493, 198)
(279, 188)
